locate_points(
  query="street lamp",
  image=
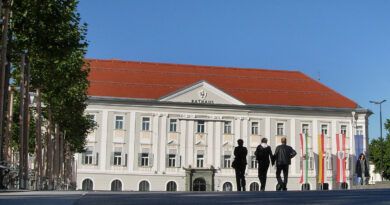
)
(380, 121)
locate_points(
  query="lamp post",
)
(381, 137)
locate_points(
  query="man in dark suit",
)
(239, 164)
(283, 155)
(264, 156)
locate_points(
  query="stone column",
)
(163, 143)
(131, 153)
(183, 143)
(104, 142)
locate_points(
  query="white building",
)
(174, 127)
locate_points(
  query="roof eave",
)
(248, 106)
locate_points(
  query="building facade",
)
(167, 127)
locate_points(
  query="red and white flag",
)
(341, 158)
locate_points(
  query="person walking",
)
(283, 156)
(264, 156)
(239, 164)
(362, 170)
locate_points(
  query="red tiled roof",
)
(129, 79)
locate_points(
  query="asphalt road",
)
(372, 197)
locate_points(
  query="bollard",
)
(344, 185)
(305, 187)
(324, 186)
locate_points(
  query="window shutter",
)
(125, 163)
(177, 160)
(150, 160)
(83, 158)
(112, 159)
(249, 161)
(167, 160)
(139, 159)
(97, 158)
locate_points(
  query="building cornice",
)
(248, 108)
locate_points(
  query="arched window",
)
(254, 186)
(116, 185)
(199, 185)
(227, 186)
(144, 186)
(171, 186)
(87, 185)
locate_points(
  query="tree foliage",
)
(55, 41)
(380, 149)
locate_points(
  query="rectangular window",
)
(343, 129)
(254, 163)
(227, 128)
(255, 128)
(119, 122)
(359, 130)
(324, 129)
(145, 124)
(117, 158)
(280, 129)
(88, 156)
(144, 159)
(226, 161)
(305, 129)
(199, 160)
(172, 125)
(200, 126)
(171, 160)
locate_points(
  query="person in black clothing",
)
(239, 164)
(264, 156)
(362, 170)
(283, 155)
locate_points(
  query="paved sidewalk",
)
(355, 197)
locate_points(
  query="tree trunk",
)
(61, 158)
(4, 71)
(24, 121)
(7, 132)
(56, 161)
(49, 153)
(68, 167)
(38, 151)
(4, 77)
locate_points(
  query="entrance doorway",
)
(199, 184)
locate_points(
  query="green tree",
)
(51, 33)
(55, 41)
(380, 153)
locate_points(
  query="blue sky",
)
(345, 44)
